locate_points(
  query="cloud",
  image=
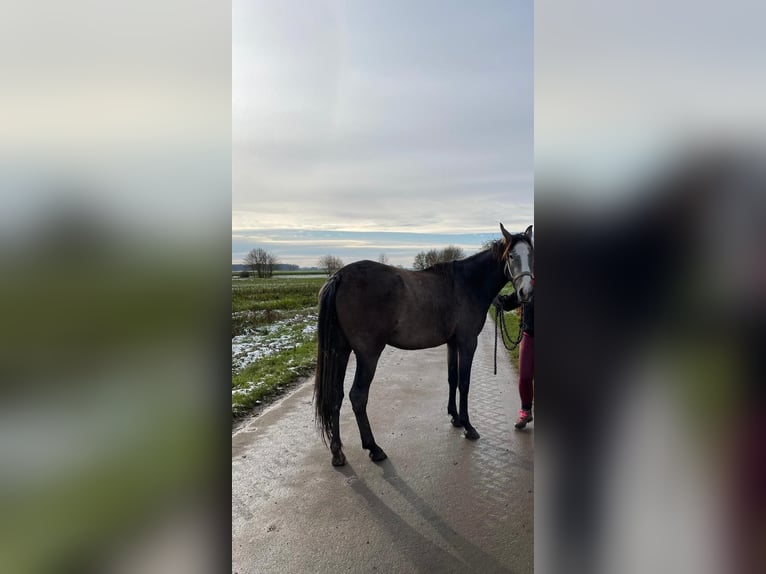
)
(370, 118)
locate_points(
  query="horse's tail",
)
(332, 358)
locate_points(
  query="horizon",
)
(305, 247)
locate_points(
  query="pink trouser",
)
(526, 370)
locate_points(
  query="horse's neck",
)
(483, 274)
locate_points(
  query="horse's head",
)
(519, 262)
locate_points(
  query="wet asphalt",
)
(439, 504)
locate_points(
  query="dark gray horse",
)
(367, 305)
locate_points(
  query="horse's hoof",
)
(378, 455)
(456, 422)
(339, 459)
(471, 434)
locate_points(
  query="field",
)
(274, 335)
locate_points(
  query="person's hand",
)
(498, 303)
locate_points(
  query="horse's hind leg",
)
(338, 458)
(336, 447)
(365, 371)
(452, 378)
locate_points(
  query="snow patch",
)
(279, 336)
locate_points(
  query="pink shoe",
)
(524, 418)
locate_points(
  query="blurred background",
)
(115, 136)
(115, 174)
(649, 200)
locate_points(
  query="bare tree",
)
(383, 258)
(451, 253)
(330, 264)
(269, 263)
(432, 257)
(421, 261)
(251, 261)
(426, 259)
(261, 262)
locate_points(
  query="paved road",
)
(438, 504)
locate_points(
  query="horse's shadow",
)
(422, 552)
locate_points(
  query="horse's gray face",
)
(519, 270)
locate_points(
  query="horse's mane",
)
(499, 249)
(442, 268)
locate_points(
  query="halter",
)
(508, 342)
(511, 277)
(514, 278)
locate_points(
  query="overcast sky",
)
(368, 127)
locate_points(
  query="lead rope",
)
(496, 319)
(504, 331)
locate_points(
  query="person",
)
(526, 355)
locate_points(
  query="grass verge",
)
(267, 377)
(272, 339)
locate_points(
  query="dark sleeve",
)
(528, 319)
(510, 302)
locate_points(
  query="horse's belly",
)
(412, 341)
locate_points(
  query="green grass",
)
(319, 272)
(257, 302)
(274, 312)
(275, 293)
(511, 319)
(306, 272)
(265, 378)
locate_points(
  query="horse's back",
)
(369, 290)
(378, 304)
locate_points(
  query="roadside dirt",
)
(241, 422)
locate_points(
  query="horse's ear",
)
(508, 236)
(528, 232)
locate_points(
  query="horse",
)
(367, 305)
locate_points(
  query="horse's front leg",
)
(466, 352)
(452, 378)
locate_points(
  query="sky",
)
(621, 92)
(369, 127)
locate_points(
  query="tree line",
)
(262, 263)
